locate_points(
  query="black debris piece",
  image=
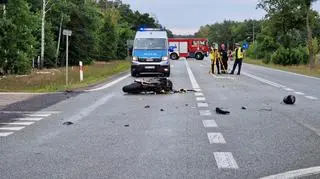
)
(243, 107)
(186, 104)
(161, 109)
(182, 90)
(289, 99)
(191, 90)
(68, 123)
(221, 111)
(147, 106)
(127, 125)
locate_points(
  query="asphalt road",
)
(113, 135)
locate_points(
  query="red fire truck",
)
(196, 48)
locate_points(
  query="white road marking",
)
(17, 123)
(29, 119)
(198, 94)
(30, 112)
(88, 110)
(193, 80)
(299, 93)
(288, 89)
(225, 160)
(109, 84)
(205, 113)
(38, 115)
(201, 98)
(198, 90)
(311, 97)
(5, 134)
(216, 138)
(223, 77)
(264, 80)
(203, 105)
(209, 123)
(296, 173)
(11, 128)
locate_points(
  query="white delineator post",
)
(81, 70)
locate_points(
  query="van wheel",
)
(199, 56)
(174, 56)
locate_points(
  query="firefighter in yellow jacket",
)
(239, 58)
(214, 56)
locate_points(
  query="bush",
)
(287, 56)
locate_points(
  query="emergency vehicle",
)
(197, 48)
(150, 52)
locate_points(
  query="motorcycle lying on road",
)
(156, 85)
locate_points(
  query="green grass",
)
(300, 69)
(54, 79)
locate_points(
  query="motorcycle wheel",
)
(134, 88)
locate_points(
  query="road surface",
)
(113, 135)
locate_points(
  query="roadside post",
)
(67, 33)
(81, 70)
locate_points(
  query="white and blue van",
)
(150, 52)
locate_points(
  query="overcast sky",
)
(186, 16)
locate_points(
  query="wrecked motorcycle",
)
(156, 85)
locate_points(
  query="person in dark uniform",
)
(224, 58)
(239, 57)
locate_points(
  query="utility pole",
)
(59, 40)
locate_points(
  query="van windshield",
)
(150, 43)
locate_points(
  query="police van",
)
(150, 52)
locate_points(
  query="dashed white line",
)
(205, 113)
(38, 115)
(216, 138)
(209, 123)
(288, 89)
(29, 119)
(200, 98)
(203, 105)
(299, 93)
(11, 128)
(5, 134)
(17, 123)
(198, 94)
(311, 97)
(225, 160)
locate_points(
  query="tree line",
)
(100, 30)
(287, 35)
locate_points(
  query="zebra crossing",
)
(18, 120)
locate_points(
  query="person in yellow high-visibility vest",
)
(214, 56)
(238, 54)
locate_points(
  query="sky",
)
(186, 16)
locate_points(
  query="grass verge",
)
(300, 69)
(51, 80)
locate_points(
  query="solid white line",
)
(203, 105)
(198, 94)
(225, 160)
(17, 123)
(205, 113)
(29, 119)
(38, 115)
(5, 134)
(200, 98)
(288, 89)
(209, 123)
(216, 138)
(311, 97)
(193, 80)
(109, 84)
(299, 93)
(88, 110)
(291, 73)
(26, 112)
(264, 80)
(296, 173)
(11, 128)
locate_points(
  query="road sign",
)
(67, 32)
(245, 46)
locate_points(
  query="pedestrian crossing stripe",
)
(224, 77)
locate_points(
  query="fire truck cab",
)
(197, 48)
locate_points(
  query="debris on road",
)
(186, 104)
(68, 123)
(243, 107)
(161, 109)
(289, 99)
(127, 125)
(221, 111)
(147, 106)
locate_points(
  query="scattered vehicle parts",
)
(147, 106)
(243, 107)
(157, 85)
(221, 111)
(68, 123)
(290, 99)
